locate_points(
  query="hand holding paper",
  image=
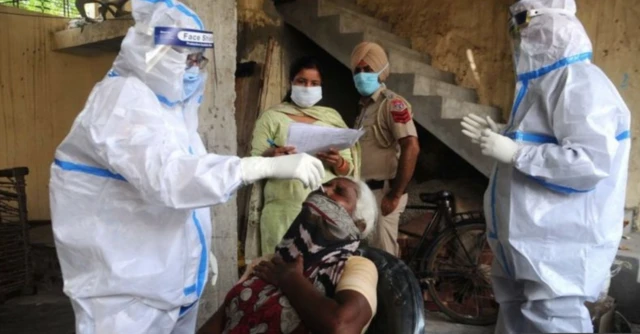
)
(312, 139)
(331, 157)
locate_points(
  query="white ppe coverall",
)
(132, 182)
(554, 217)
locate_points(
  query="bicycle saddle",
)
(435, 197)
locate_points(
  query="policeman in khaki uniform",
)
(389, 147)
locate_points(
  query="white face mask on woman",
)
(306, 96)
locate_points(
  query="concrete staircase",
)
(438, 104)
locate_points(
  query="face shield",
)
(186, 44)
(177, 53)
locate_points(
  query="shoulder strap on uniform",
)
(388, 94)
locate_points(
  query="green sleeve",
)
(262, 132)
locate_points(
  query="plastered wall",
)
(614, 29)
(457, 34)
(41, 92)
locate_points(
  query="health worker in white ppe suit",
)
(132, 183)
(555, 200)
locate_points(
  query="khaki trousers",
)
(386, 234)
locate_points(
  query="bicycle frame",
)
(427, 231)
(446, 206)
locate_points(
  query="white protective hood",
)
(165, 77)
(550, 37)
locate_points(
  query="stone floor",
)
(52, 314)
(49, 313)
(438, 323)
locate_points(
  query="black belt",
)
(375, 184)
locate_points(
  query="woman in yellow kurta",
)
(282, 199)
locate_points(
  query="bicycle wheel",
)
(457, 271)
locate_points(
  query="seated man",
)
(315, 282)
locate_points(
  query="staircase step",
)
(324, 31)
(452, 109)
(348, 25)
(352, 5)
(456, 109)
(298, 13)
(302, 15)
(339, 45)
(428, 86)
(402, 64)
(415, 84)
(351, 12)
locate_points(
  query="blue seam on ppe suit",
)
(166, 101)
(519, 98)
(557, 65)
(624, 135)
(532, 137)
(202, 269)
(557, 187)
(198, 286)
(96, 171)
(524, 78)
(190, 289)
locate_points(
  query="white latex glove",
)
(497, 146)
(307, 169)
(473, 125)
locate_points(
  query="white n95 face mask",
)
(306, 96)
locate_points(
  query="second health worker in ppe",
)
(555, 201)
(132, 182)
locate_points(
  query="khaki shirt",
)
(386, 118)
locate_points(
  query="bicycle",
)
(452, 260)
